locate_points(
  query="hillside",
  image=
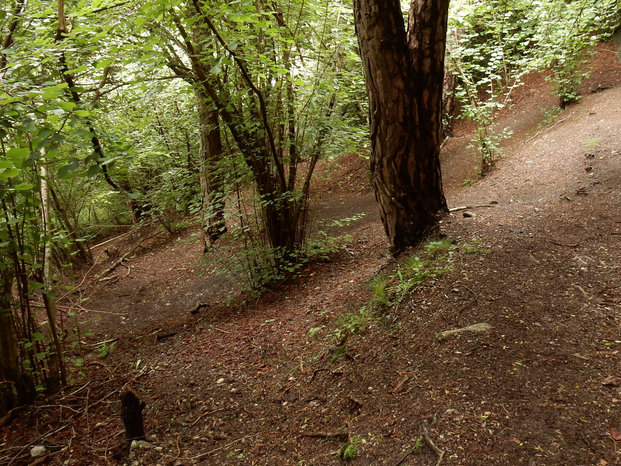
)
(307, 371)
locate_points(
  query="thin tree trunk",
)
(84, 253)
(16, 388)
(57, 375)
(404, 75)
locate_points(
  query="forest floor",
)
(535, 255)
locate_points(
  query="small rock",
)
(140, 445)
(469, 214)
(219, 381)
(481, 327)
(37, 451)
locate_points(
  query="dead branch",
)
(337, 435)
(465, 207)
(439, 452)
(125, 256)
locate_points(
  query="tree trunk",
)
(56, 376)
(83, 252)
(131, 414)
(404, 75)
(213, 197)
(16, 388)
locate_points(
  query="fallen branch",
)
(111, 340)
(543, 130)
(439, 452)
(210, 452)
(405, 455)
(465, 207)
(125, 256)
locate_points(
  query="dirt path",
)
(260, 384)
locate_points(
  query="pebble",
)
(37, 451)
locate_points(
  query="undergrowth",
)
(433, 259)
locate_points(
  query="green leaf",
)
(9, 173)
(66, 105)
(82, 113)
(17, 154)
(64, 171)
(24, 187)
(93, 170)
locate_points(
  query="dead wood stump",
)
(131, 414)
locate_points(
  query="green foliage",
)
(492, 45)
(549, 115)
(349, 450)
(378, 286)
(473, 248)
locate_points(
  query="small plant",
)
(473, 248)
(353, 323)
(314, 332)
(105, 348)
(438, 248)
(343, 222)
(549, 115)
(349, 450)
(380, 298)
(591, 143)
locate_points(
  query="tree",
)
(249, 65)
(404, 74)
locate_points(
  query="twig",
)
(220, 330)
(202, 455)
(542, 130)
(405, 455)
(178, 447)
(206, 414)
(584, 293)
(465, 207)
(42, 437)
(439, 452)
(125, 256)
(327, 435)
(111, 340)
(58, 406)
(75, 288)
(78, 390)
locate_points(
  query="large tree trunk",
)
(404, 75)
(213, 197)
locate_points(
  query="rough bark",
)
(8, 40)
(404, 75)
(213, 197)
(131, 414)
(16, 388)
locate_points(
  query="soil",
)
(260, 381)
